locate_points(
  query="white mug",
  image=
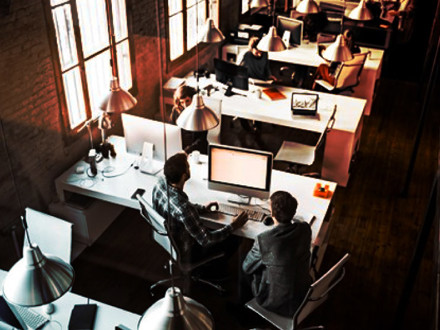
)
(195, 157)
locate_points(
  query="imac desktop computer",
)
(240, 171)
(231, 75)
(293, 26)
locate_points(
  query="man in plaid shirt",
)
(194, 239)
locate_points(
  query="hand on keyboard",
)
(239, 220)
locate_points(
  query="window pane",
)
(98, 74)
(191, 27)
(93, 24)
(202, 15)
(190, 3)
(62, 19)
(244, 6)
(57, 2)
(176, 36)
(119, 19)
(74, 97)
(174, 6)
(124, 67)
(213, 13)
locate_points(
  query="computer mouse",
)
(268, 221)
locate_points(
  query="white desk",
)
(307, 55)
(107, 317)
(342, 141)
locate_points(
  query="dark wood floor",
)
(371, 221)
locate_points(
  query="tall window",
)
(245, 6)
(182, 26)
(81, 29)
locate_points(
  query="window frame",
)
(72, 134)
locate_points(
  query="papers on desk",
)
(273, 94)
(261, 82)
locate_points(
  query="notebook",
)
(274, 94)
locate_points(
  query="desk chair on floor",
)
(161, 236)
(347, 75)
(303, 155)
(316, 295)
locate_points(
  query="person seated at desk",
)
(182, 99)
(256, 61)
(194, 239)
(279, 260)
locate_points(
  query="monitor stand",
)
(239, 199)
(228, 91)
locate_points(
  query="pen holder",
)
(322, 191)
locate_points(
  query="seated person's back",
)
(256, 61)
(279, 261)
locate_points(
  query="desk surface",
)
(119, 189)
(107, 317)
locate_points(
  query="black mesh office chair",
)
(161, 235)
(316, 295)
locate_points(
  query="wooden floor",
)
(371, 221)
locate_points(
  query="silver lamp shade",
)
(174, 311)
(197, 117)
(211, 34)
(337, 51)
(258, 4)
(37, 279)
(307, 7)
(361, 12)
(118, 100)
(271, 42)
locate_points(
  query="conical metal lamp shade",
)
(118, 100)
(211, 34)
(361, 12)
(174, 311)
(337, 51)
(197, 117)
(271, 42)
(259, 4)
(307, 7)
(37, 279)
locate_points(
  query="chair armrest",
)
(325, 84)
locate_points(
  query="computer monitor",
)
(239, 171)
(231, 75)
(138, 130)
(294, 26)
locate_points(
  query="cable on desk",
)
(116, 175)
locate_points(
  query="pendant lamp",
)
(361, 12)
(211, 34)
(337, 51)
(175, 311)
(197, 117)
(307, 7)
(271, 42)
(254, 4)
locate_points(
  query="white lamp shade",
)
(211, 34)
(37, 279)
(258, 4)
(307, 7)
(118, 100)
(271, 42)
(361, 12)
(337, 51)
(197, 117)
(174, 311)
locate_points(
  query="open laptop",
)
(13, 317)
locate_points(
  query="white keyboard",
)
(254, 215)
(32, 319)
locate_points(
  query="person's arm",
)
(253, 261)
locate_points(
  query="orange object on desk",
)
(322, 191)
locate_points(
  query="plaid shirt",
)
(183, 212)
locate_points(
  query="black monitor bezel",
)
(236, 74)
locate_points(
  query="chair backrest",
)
(53, 235)
(319, 291)
(216, 106)
(158, 225)
(330, 124)
(350, 71)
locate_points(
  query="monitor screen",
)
(240, 171)
(231, 74)
(294, 26)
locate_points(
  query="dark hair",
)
(283, 206)
(175, 167)
(182, 92)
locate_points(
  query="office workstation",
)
(95, 183)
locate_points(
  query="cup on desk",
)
(256, 93)
(195, 157)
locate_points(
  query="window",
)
(245, 6)
(82, 37)
(185, 16)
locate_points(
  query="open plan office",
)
(190, 164)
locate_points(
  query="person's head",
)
(183, 96)
(176, 169)
(283, 206)
(253, 47)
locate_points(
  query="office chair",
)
(161, 236)
(347, 76)
(299, 154)
(316, 295)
